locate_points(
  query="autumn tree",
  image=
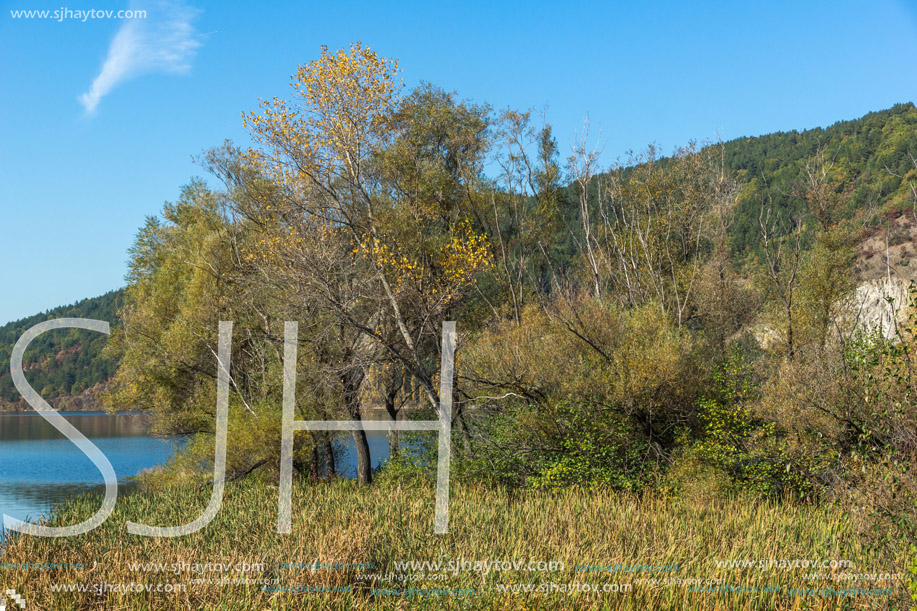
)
(524, 217)
(655, 226)
(183, 280)
(367, 220)
(808, 266)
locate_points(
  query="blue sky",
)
(99, 119)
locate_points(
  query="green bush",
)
(596, 447)
(746, 448)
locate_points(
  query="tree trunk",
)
(394, 443)
(314, 469)
(330, 470)
(351, 381)
(790, 347)
(466, 434)
(364, 464)
(394, 437)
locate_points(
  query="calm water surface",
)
(39, 467)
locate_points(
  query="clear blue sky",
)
(87, 153)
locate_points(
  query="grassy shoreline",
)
(358, 535)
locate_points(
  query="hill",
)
(874, 157)
(65, 366)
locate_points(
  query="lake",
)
(39, 467)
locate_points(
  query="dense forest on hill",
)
(66, 366)
(871, 155)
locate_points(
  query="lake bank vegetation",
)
(658, 361)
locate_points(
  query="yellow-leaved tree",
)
(359, 206)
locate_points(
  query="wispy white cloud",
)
(164, 42)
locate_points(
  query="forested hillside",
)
(66, 366)
(870, 156)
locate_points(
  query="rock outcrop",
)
(881, 304)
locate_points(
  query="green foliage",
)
(595, 448)
(179, 291)
(748, 449)
(62, 362)
(415, 463)
(597, 406)
(881, 461)
(882, 371)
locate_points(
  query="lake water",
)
(39, 467)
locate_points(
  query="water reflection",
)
(39, 467)
(29, 425)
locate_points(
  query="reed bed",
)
(349, 539)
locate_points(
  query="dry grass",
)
(342, 523)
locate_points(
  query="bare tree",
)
(782, 256)
(583, 165)
(654, 223)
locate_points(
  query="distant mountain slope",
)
(65, 366)
(871, 155)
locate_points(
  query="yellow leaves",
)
(445, 269)
(273, 247)
(391, 261)
(313, 149)
(340, 104)
(467, 254)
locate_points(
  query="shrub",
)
(587, 393)
(595, 447)
(746, 448)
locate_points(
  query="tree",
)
(782, 258)
(524, 219)
(363, 201)
(584, 167)
(182, 283)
